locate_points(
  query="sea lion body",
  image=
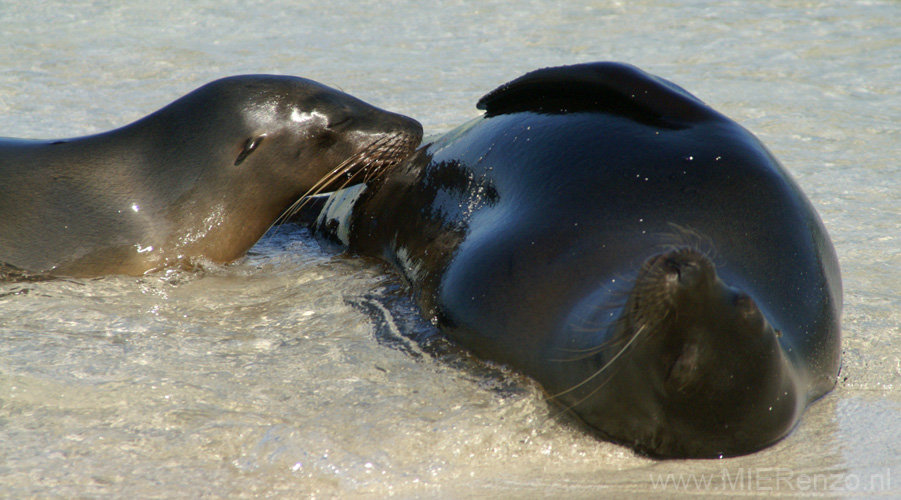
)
(640, 255)
(201, 179)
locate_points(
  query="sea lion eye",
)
(339, 120)
(249, 146)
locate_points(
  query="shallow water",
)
(283, 376)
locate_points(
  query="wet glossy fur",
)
(200, 180)
(642, 256)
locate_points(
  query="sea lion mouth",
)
(371, 162)
(375, 159)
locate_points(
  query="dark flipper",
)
(605, 87)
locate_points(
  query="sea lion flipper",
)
(603, 87)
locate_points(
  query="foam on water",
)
(282, 375)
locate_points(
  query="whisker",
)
(318, 189)
(599, 325)
(687, 237)
(602, 369)
(598, 372)
(586, 352)
(372, 161)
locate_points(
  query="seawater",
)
(282, 375)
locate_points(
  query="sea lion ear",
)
(250, 145)
(606, 87)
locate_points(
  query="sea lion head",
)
(693, 366)
(260, 144)
(200, 180)
(331, 136)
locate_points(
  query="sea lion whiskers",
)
(317, 189)
(618, 299)
(372, 161)
(585, 353)
(602, 369)
(643, 327)
(388, 155)
(587, 328)
(598, 372)
(644, 306)
(686, 237)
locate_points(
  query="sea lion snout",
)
(685, 269)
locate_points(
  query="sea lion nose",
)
(681, 270)
(409, 126)
(686, 268)
(387, 122)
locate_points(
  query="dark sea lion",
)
(201, 179)
(642, 256)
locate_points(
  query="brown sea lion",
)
(201, 179)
